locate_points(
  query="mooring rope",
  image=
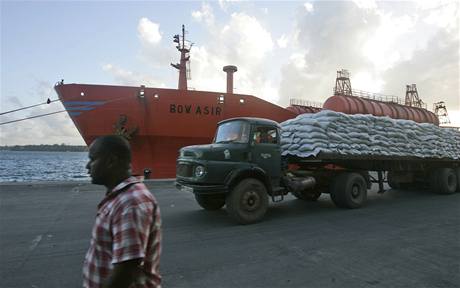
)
(27, 107)
(31, 117)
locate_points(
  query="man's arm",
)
(123, 274)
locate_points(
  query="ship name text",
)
(198, 110)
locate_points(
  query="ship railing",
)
(377, 97)
(302, 102)
(380, 97)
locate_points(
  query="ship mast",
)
(184, 48)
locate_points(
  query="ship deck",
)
(400, 239)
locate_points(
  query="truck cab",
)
(240, 168)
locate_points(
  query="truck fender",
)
(234, 177)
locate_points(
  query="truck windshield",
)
(235, 132)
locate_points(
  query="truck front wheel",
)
(349, 190)
(248, 201)
(210, 202)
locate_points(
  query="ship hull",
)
(158, 122)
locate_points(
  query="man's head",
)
(109, 160)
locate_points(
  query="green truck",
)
(244, 167)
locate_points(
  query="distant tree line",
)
(46, 147)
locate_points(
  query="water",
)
(19, 166)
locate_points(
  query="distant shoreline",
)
(46, 147)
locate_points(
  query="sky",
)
(283, 50)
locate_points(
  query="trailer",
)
(246, 165)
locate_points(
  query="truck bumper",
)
(201, 189)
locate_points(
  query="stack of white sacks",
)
(366, 135)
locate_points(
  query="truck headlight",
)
(199, 171)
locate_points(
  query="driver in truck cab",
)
(264, 136)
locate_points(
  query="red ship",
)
(158, 121)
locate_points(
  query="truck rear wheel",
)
(210, 202)
(443, 181)
(248, 201)
(349, 190)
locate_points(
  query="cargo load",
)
(334, 133)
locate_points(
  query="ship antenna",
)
(184, 48)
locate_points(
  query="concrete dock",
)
(400, 239)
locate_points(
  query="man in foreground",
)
(126, 239)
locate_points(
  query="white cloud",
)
(206, 14)
(435, 71)
(308, 7)
(246, 38)
(454, 116)
(149, 32)
(298, 60)
(333, 36)
(388, 43)
(269, 92)
(206, 71)
(243, 42)
(224, 3)
(125, 77)
(153, 51)
(364, 80)
(366, 4)
(282, 41)
(443, 14)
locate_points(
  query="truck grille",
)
(184, 170)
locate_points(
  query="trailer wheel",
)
(349, 190)
(443, 181)
(210, 202)
(308, 195)
(248, 201)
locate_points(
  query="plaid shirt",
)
(127, 227)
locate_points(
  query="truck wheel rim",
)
(355, 191)
(251, 200)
